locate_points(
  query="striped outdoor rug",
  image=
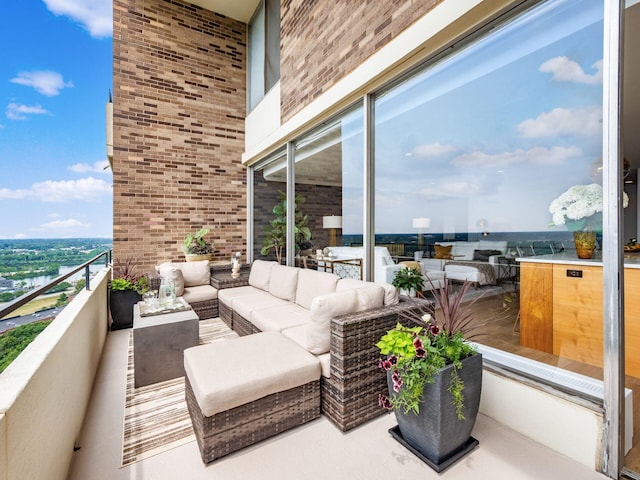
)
(156, 418)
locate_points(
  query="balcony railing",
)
(45, 392)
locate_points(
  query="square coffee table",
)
(159, 342)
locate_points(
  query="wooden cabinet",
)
(561, 312)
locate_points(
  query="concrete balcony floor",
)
(317, 450)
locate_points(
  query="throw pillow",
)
(323, 308)
(483, 255)
(443, 252)
(170, 272)
(410, 264)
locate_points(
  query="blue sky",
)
(55, 77)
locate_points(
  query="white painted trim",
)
(360, 81)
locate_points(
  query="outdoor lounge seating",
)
(264, 384)
(192, 283)
(332, 322)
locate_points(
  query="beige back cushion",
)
(195, 273)
(168, 271)
(391, 295)
(371, 296)
(284, 282)
(323, 308)
(312, 283)
(260, 274)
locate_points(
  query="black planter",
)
(121, 303)
(436, 433)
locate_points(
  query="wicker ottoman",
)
(247, 389)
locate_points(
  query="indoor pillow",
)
(443, 252)
(169, 272)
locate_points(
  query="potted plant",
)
(125, 291)
(275, 236)
(305, 248)
(195, 248)
(434, 377)
(408, 281)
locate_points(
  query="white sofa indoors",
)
(337, 320)
(382, 259)
(465, 260)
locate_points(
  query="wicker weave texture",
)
(247, 424)
(226, 314)
(242, 326)
(350, 396)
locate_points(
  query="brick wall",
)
(322, 41)
(179, 108)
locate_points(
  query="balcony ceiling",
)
(241, 10)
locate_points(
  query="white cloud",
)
(85, 190)
(563, 69)
(17, 111)
(563, 121)
(96, 16)
(452, 189)
(97, 167)
(45, 82)
(537, 155)
(64, 224)
(431, 150)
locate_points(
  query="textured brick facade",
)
(324, 40)
(179, 76)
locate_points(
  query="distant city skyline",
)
(55, 79)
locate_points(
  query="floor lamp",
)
(333, 223)
(421, 223)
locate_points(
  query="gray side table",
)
(159, 342)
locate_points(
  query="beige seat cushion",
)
(200, 293)
(279, 317)
(260, 274)
(169, 272)
(299, 335)
(248, 303)
(284, 282)
(227, 295)
(253, 367)
(312, 283)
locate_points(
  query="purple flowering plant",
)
(415, 354)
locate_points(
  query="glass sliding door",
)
(487, 161)
(269, 208)
(329, 193)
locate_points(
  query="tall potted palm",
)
(434, 377)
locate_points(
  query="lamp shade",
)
(332, 221)
(421, 222)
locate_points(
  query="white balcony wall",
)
(264, 120)
(44, 393)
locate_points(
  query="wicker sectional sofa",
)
(337, 320)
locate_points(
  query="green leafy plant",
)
(125, 278)
(275, 236)
(408, 278)
(194, 243)
(414, 355)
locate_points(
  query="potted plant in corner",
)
(195, 248)
(125, 291)
(275, 235)
(434, 377)
(408, 281)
